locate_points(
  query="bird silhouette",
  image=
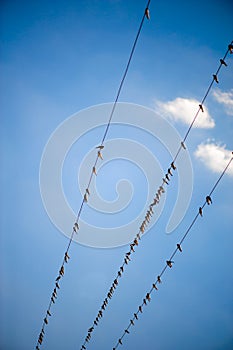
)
(76, 227)
(183, 145)
(136, 316)
(173, 166)
(169, 171)
(100, 155)
(154, 286)
(223, 62)
(200, 211)
(215, 78)
(100, 147)
(169, 263)
(147, 13)
(120, 342)
(201, 108)
(126, 331)
(159, 279)
(208, 200)
(179, 247)
(132, 322)
(94, 170)
(230, 48)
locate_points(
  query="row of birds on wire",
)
(165, 181)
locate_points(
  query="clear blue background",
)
(56, 59)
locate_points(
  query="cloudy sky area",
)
(57, 59)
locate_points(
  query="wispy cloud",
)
(183, 110)
(214, 156)
(224, 98)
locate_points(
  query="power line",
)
(169, 262)
(87, 191)
(149, 213)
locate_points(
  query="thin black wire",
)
(65, 259)
(158, 280)
(146, 219)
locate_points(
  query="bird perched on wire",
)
(223, 62)
(208, 200)
(169, 263)
(215, 78)
(179, 247)
(200, 211)
(173, 166)
(147, 13)
(201, 108)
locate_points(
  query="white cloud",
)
(225, 98)
(215, 157)
(183, 110)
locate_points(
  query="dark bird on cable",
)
(45, 320)
(159, 279)
(165, 181)
(140, 309)
(136, 316)
(208, 200)
(126, 331)
(169, 263)
(94, 170)
(179, 247)
(100, 155)
(169, 171)
(148, 297)
(230, 48)
(215, 78)
(173, 166)
(132, 322)
(100, 147)
(167, 177)
(154, 286)
(223, 62)
(183, 145)
(120, 342)
(147, 13)
(201, 108)
(49, 313)
(57, 286)
(200, 211)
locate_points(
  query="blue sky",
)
(57, 59)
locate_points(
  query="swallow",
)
(100, 155)
(183, 145)
(223, 62)
(131, 248)
(57, 286)
(140, 309)
(136, 316)
(136, 241)
(148, 297)
(100, 147)
(200, 211)
(49, 313)
(154, 286)
(45, 320)
(208, 200)
(201, 108)
(159, 279)
(144, 301)
(173, 166)
(167, 177)
(120, 342)
(95, 322)
(90, 329)
(126, 331)
(94, 170)
(62, 271)
(66, 258)
(179, 247)
(57, 279)
(230, 48)
(85, 197)
(169, 171)
(76, 227)
(165, 181)
(52, 299)
(169, 263)
(147, 13)
(119, 273)
(87, 191)
(215, 78)
(132, 322)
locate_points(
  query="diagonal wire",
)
(169, 262)
(87, 192)
(149, 213)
